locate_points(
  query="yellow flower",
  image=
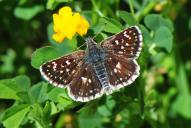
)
(67, 23)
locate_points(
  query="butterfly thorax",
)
(95, 55)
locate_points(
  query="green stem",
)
(145, 11)
(131, 8)
(96, 8)
(117, 5)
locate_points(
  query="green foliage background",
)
(160, 97)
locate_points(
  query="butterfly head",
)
(90, 42)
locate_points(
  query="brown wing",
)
(60, 71)
(85, 85)
(121, 71)
(126, 43)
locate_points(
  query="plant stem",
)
(145, 11)
(131, 8)
(96, 8)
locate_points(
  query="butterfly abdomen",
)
(102, 75)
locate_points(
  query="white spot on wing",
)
(54, 66)
(115, 70)
(84, 79)
(89, 81)
(62, 65)
(67, 62)
(120, 52)
(118, 66)
(73, 71)
(116, 42)
(125, 34)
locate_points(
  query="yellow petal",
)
(82, 27)
(58, 38)
(65, 10)
(56, 21)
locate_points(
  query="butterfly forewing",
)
(60, 72)
(126, 43)
(85, 85)
(121, 71)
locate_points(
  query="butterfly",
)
(100, 69)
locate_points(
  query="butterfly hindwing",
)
(126, 43)
(60, 71)
(85, 85)
(121, 72)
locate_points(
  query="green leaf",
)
(7, 61)
(37, 114)
(55, 93)
(182, 81)
(42, 55)
(61, 97)
(146, 36)
(25, 97)
(10, 87)
(182, 105)
(110, 25)
(49, 109)
(38, 92)
(103, 110)
(163, 38)
(106, 109)
(64, 47)
(90, 121)
(65, 103)
(15, 115)
(27, 13)
(50, 4)
(7, 92)
(127, 17)
(154, 22)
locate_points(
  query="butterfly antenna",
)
(96, 35)
(78, 48)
